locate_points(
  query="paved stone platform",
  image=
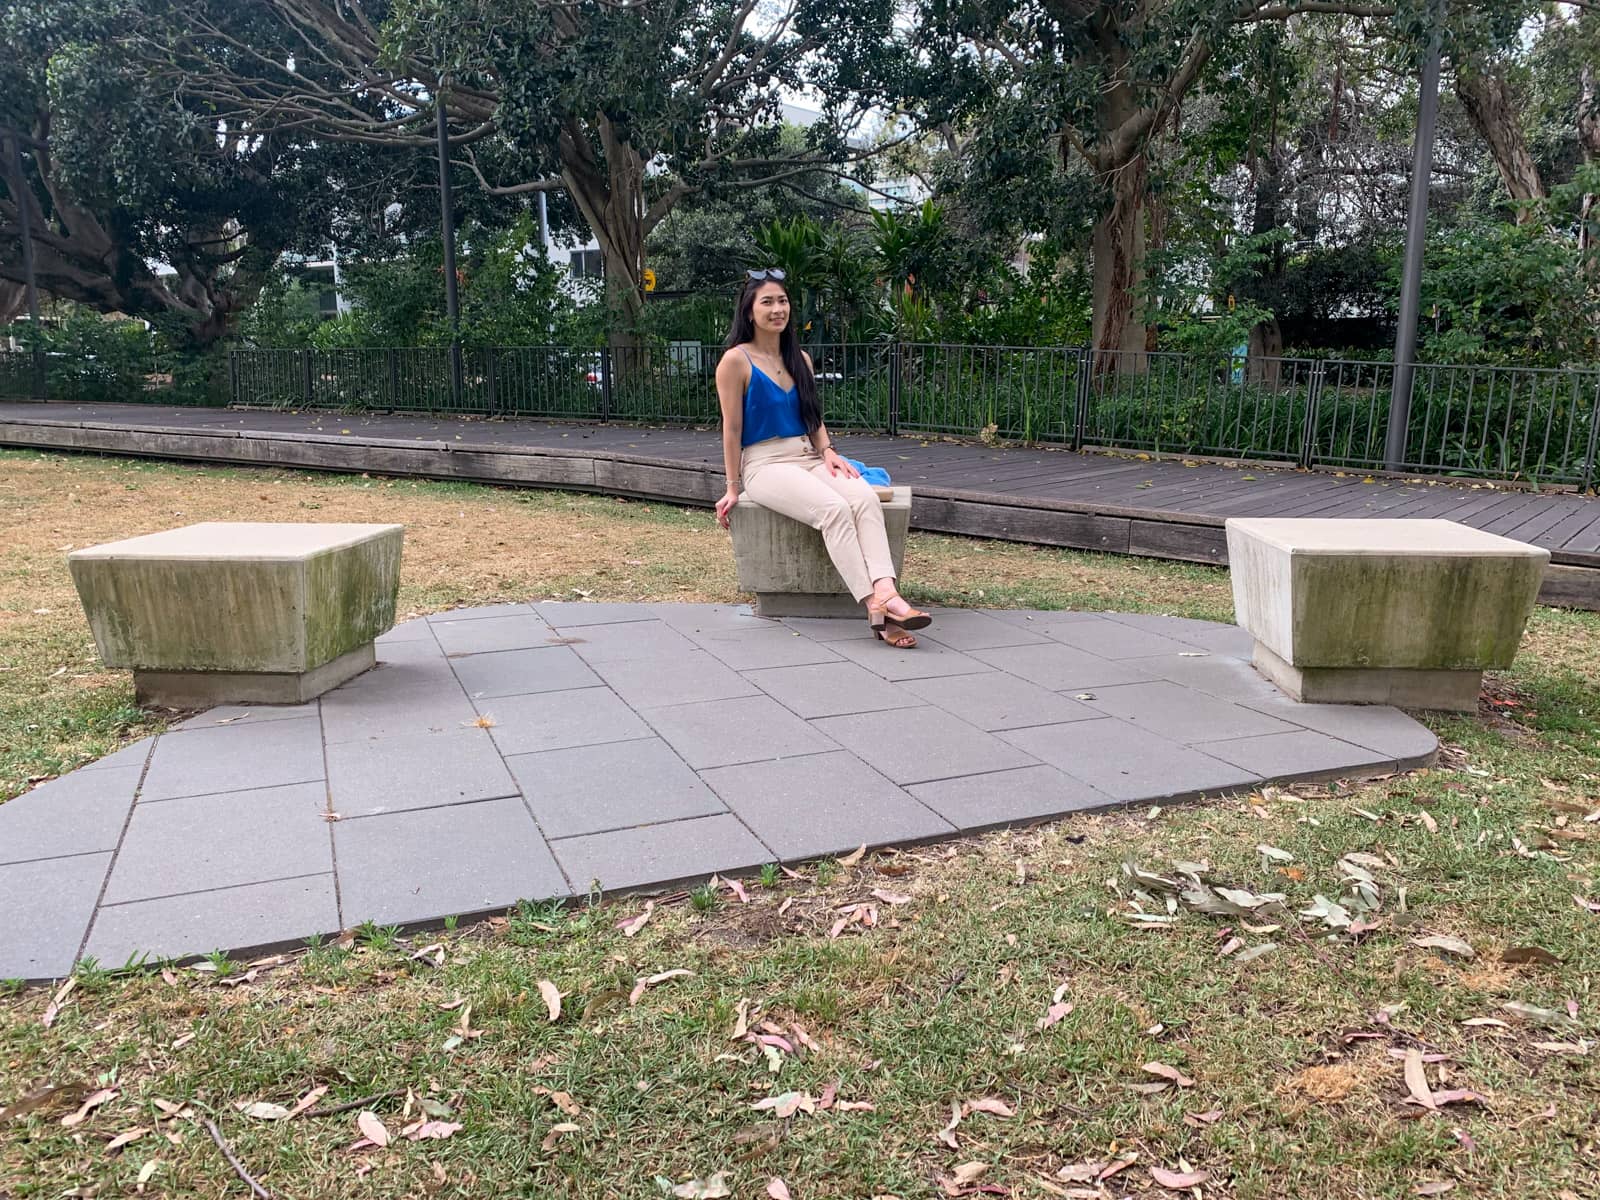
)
(531, 751)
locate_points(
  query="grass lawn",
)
(1015, 980)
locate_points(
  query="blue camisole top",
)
(769, 411)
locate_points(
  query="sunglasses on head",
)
(773, 273)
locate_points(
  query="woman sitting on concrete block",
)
(775, 444)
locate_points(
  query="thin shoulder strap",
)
(747, 357)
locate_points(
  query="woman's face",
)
(770, 308)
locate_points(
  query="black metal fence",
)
(1475, 421)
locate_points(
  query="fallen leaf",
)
(306, 1101)
(53, 1009)
(632, 925)
(663, 976)
(1416, 1078)
(372, 1129)
(433, 954)
(741, 1023)
(737, 889)
(891, 898)
(556, 1133)
(990, 1105)
(122, 1139)
(967, 1172)
(788, 1103)
(1254, 953)
(1163, 1071)
(1529, 954)
(1437, 1188)
(261, 1110)
(1178, 1180)
(552, 998)
(1456, 1096)
(855, 856)
(1426, 818)
(432, 1130)
(1273, 854)
(1200, 1120)
(1539, 1016)
(947, 1135)
(89, 1105)
(1494, 1021)
(1080, 1172)
(1148, 1089)
(1444, 944)
(561, 1100)
(777, 1189)
(855, 1106)
(714, 1188)
(1054, 1014)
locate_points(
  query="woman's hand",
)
(725, 505)
(836, 464)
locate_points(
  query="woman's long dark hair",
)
(743, 330)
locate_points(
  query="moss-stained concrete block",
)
(241, 611)
(1381, 612)
(785, 562)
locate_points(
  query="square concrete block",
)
(832, 689)
(1129, 763)
(459, 861)
(382, 775)
(1170, 711)
(785, 563)
(48, 906)
(255, 918)
(917, 744)
(1062, 668)
(1380, 611)
(199, 762)
(997, 700)
(651, 683)
(593, 789)
(201, 843)
(418, 709)
(661, 855)
(76, 814)
(1000, 798)
(719, 733)
(487, 634)
(523, 672)
(556, 720)
(823, 804)
(759, 649)
(241, 611)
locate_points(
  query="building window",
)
(587, 264)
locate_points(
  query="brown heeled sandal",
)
(895, 636)
(878, 616)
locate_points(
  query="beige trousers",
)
(788, 476)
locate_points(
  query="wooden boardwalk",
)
(1117, 503)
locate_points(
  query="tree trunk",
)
(13, 301)
(1119, 255)
(1589, 138)
(1264, 364)
(1493, 114)
(610, 195)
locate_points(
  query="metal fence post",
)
(1308, 432)
(896, 373)
(489, 383)
(233, 376)
(605, 384)
(1080, 404)
(305, 375)
(1594, 440)
(392, 358)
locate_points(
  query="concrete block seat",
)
(786, 564)
(1401, 612)
(241, 612)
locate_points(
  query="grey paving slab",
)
(719, 733)
(492, 633)
(691, 619)
(482, 613)
(661, 855)
(1114, 640)
(47, 907)
(627, 641)
(1062, 668)
(1180, 628)
(556, 720)
(832, 689)
(358, 714)
(1299, 754)
(758, 649)
(918, 744)
(823, 804)
(415, 630)
(196, 762)
(969, 629)
(562, 613)
(420, 651)
(255, 714)
(829, 629)
(256, 917)
(683, 679)
(1128, 763)
(382, 775)
(1213, 675)
(428, 670)
(134, 755)
(436, 862)
(1227, 639)
(523, 672)
(1169, 710)
(1375, 727)
(927, 660)
(1042, 620)
(999, 700)
(200, 843)
(1008, 797)
(592, 789)
(75, 814)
